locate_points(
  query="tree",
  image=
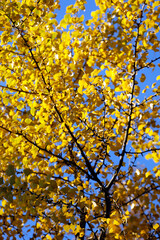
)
(79, 120)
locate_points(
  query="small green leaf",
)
(27, 171)
(28, 120)
(10, 170)
(12, 180)
(1, 180)
(53, 186)
(9, 197)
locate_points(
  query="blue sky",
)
(90, 6)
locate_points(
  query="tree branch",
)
(111, 182)
(94, 175)
(68, 162)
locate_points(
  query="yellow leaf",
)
(144, 90)
(115, 222)
(156, 4)
(4, 202)
(158, 78)
(78, 229)
(1, 211)
(142, 78)
(28, 121)
(72, 227)
(153, 85)
(148, 156)
(156, 226)
(63, 23)
(38, 225)
(147, 130)
(129, 182)
(66, 228)
(49, 237)
(143, 232)
(158, 173)
(81, 234)
(148, 174)
(111, 230)
(145, 43)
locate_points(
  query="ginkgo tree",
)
(79, 125)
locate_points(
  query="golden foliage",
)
(79, 116)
